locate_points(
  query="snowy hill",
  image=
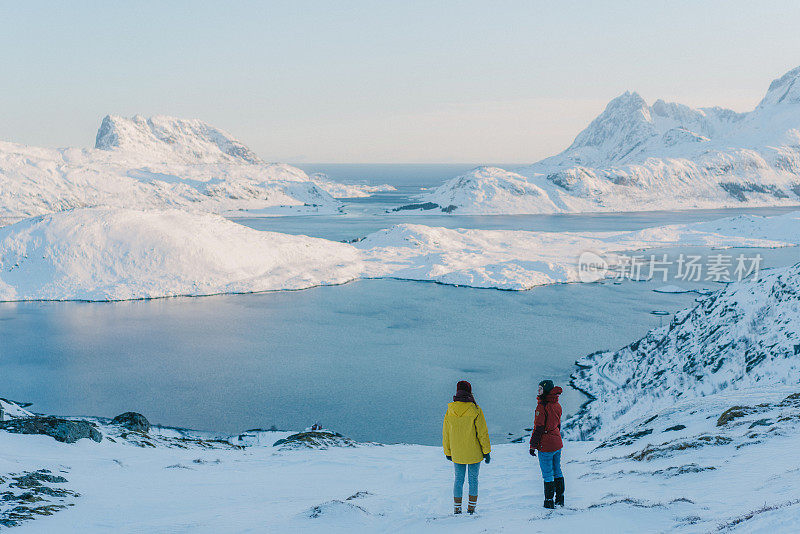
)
(161, 162)
(635, 156)
(120, 253)
(724, 463)
(747, 335)
(113, 254)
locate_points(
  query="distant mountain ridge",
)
(635, 157)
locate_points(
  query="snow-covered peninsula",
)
(665, 156)
(161, 162)
(117, 254)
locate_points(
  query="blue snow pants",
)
(550, 462)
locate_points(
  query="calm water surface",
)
(375, 359)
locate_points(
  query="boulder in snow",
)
(133, 421)
(63, 430)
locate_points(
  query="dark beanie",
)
(547, 385)
(464, 386)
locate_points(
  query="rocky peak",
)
(784, 90)
(189, 140)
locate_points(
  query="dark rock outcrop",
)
(63, 430)
(29, 496)
(314, 440)
(133, 421)
(421, 206)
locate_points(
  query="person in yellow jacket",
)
(465, 439)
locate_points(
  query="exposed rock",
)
(420, 206)
(63, 430)
(730, 414)
(29, 497)
(133, 421)
(30, 480)
(314, 440)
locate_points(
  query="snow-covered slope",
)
(635, 156)
(114, 254)
(695, 467)
(161, 162)
(11, 409)
(747, 335)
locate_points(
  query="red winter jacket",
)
(546, 435)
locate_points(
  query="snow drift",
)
(118, 254)
(635, 156)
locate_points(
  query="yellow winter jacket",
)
(464, 434)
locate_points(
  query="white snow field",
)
(160, 162)
(697, 466)
(118, 254)
(636, 157)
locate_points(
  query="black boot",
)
(559, 482)
(549, 490)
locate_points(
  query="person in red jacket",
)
(546, 438)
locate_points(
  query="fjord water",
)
(375, 359)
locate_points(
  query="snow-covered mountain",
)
(745, 336)
(172, 139)
(161, 162)
(635, 156)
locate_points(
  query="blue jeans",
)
(550, 462)
(461, 470)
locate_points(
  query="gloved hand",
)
(533, 452)
(450, 458)
(487, 458)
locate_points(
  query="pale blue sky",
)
(405, 81)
